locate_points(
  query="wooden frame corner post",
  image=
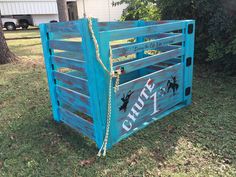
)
(188, 60)
(49, 68)
(96, 78)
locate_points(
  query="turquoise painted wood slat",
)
(65, 45)
(71, 26)
(162, 35)
(147, 61)
(74, 98)
(74, 105)
(49, 68)
(79, 74)
(142, 31)
(68, 63)
(70, 55)
(72, 81)
(66, 35)
(168, 48)
(77, 123)
(138, 47)
(104, 26)
(122, 45)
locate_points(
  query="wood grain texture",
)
(105, 26)
(138, 47)
(65, 45)
(76, 122)
(76, 99)
(70, 55)
(161, 35)
(72, 82)
(68, 63)
(65, 35)
(71, 26)
(142, 31)
(151, 60)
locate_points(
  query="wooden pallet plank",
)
(72, 81)
(142, 31)
(65, 35)
(78, 100)
(138, 47)
(137, 83)
(162, 35)
(66, 45)
(81, 125)
(70, 26)
(104, 26)
(122, 45)
(147, 61)
(70, 55)
(68, 63)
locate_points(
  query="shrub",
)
(139, 9)
(215, 25)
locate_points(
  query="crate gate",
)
(155, 60)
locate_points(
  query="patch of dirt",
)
(87, 162)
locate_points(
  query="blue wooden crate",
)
(156, 59)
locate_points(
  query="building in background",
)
(101, 9)
(35, 12)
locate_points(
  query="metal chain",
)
(111, 74)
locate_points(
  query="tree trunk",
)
(62, 10)
(6, 56)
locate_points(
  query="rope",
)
(111, 74)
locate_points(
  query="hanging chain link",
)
(111, 74)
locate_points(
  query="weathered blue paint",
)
(65, 35)
(49, 68)
(152, 85)
(151, 60)
(149, 45)
(68, 63)
(65, 45)
(71, 55)
(76, 122)
(142, 31)
(72, 81)
(105, 26)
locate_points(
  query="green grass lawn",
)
(199, 140)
